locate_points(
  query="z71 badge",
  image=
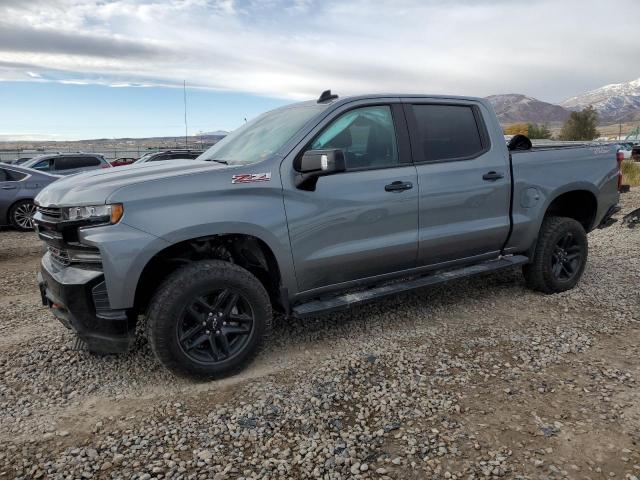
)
(251, 177)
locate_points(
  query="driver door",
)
(356, 225)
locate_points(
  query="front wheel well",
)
(246, 251)
(581, 205)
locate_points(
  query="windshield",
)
(144, 157)
(262, 136)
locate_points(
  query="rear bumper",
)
(78, 298)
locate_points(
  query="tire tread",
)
(536, 273)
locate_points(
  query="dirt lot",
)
(474, 379)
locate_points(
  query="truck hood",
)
(94, 187)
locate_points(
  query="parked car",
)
(67, 163)
(635, 153)
(169, 155)
(118, 162)
(308, 209)
(18, 187)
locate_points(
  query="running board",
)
(332, 304)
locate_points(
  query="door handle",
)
(8, 187)
(398, 186)
(491, 176)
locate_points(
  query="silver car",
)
(18, 187)
(67, 163)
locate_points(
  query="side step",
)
(348, 300)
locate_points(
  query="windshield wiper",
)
(224, 162)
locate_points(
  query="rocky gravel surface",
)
(478, 378)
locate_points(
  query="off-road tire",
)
(539, 273)
(13, 213)
(172, 298)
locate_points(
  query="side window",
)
(43, 166)
(12, 176)
(69, 163)
(366, 136)
(3, 175)
(63, 163)
(447, 131)
(91, 161)
(160, 157)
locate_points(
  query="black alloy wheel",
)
(566, 259)
(560, 256)
(215, 326)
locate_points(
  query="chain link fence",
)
(110, 154)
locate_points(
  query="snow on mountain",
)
(617, 102)
(514, 108)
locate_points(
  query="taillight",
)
(619, 159)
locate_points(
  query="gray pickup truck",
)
(307, 209)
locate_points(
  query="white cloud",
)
(297, 48)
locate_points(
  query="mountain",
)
(514, 108)
(217, 133)
(618, 102)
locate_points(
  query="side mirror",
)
(317, 163)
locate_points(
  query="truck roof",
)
(337, 101)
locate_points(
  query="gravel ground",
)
(479, 378)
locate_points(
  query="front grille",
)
(51, 212)
(60, 256)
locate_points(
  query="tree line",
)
(579, 126)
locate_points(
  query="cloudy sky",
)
(106, 68)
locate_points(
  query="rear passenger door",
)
(463, 180)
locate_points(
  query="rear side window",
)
(69, 163)
(12, 176)
(3, 175)
(447, 132)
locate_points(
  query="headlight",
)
(105, 213)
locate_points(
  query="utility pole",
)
(184, 89)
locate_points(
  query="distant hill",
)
(217, 133)
(617, 102)
(515, 108)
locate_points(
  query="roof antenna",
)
(326, 97)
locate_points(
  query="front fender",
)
(276, 239)
(125, 251)
(179, 209)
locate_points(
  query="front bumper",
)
(77, 296)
